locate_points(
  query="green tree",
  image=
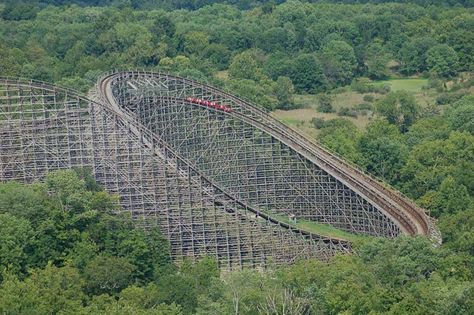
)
(400, 261)
(427, 129)
(449, 198)
(306, 73)
(325, 103)
(180, 289)
(195, 42)
(383, 150)
(431, 162)
(19, 10)
(257, 93)
(458, 232)
(341, 135)
(163, 25)
(107, 274)
(46, 291)
(284, 90)
(461, 116)
(442, 61)
(400, 108)
(244, 66)
(15, 239)
(218, 55)
(338, 62)
(413, 55)
(376, 60)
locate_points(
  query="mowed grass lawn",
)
(410, 85)
(322, 229)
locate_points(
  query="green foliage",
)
(458, 232)
(338, 61)
(384, 276)
(46, 291)
(107, 274)
(368, 98)
(376, 60)
(432, 161)
(413, 55)
(345, 111)
(449, 198)
(325, 103)
(306, 73)
(257, 93)
(400, 108)
(284, 91)
(15, 236)
(341, 136)
(442, 60)
(68, 225)
(427, 129)
(244, 66)
(449, 98)
(319, 46)
(461, 116)
(364, 85)
(384, 151)
(318, 123)
(19, 11)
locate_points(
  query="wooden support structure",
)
(216, 181)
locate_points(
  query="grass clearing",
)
(410, 85)
(322, 229)
(301, 119)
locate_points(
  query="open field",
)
(322, 229)
(344, 99)
(301, 118)
(409, 84)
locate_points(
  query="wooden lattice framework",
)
(214, 181)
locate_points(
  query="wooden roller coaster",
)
(216, 173)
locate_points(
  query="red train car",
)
(211, 104)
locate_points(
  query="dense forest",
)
(341, 71)
(64, 250)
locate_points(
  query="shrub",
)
(449, 98)
(345, 111)
(325, 105)
(363, 85)
(436, 84)
(384, 89)
(364, 106)
(368, 98)
(318, 123)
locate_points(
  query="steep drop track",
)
(215, 181)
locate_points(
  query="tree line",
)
(314, 46)
(65, 249)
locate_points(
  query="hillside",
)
(386, 85)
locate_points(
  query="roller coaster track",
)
(142, 139)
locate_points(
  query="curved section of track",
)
(164, 88)
(45, 128)
(216, 182)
